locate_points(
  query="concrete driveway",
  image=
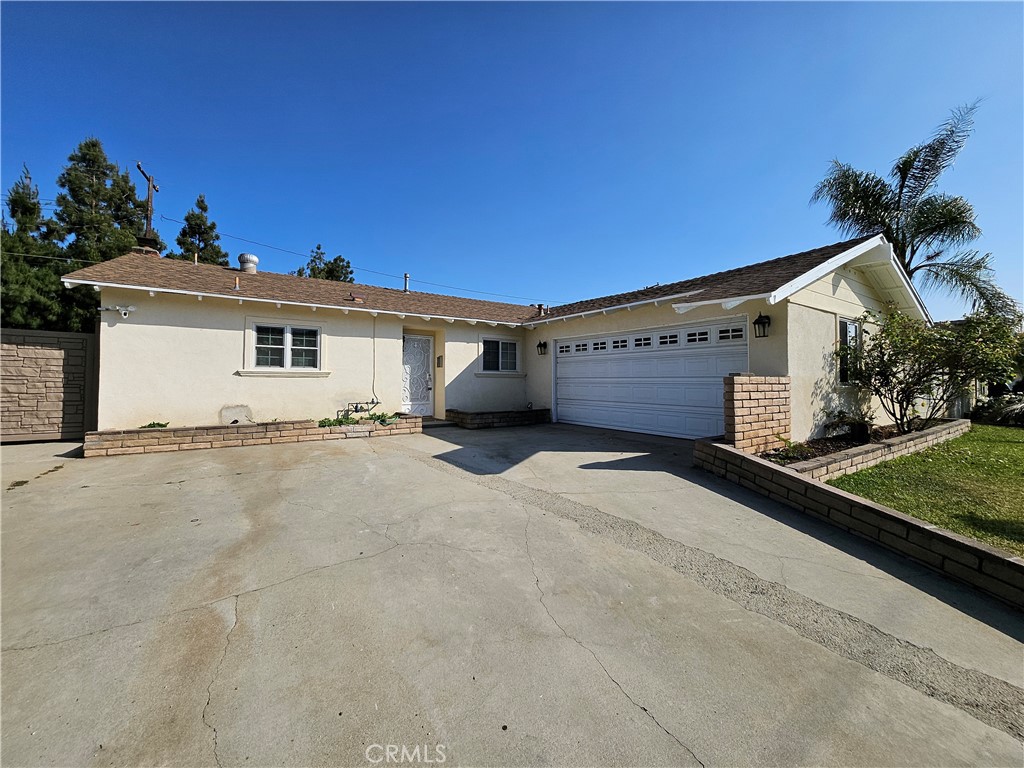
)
(534, 596)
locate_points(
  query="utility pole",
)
(149, 236)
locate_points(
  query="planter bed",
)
(488, 419)
(987, 568)
(859, 457)
(119, 442)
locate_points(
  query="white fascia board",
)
(825, 268)
(306, 304)
(734, 301)
(617, 307)
(915, 297)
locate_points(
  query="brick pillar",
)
(757, 411)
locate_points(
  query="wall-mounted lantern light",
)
(542, 347)
(761, 326)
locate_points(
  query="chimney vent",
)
(406, 289)
(247, 262)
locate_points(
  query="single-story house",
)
(195, 344)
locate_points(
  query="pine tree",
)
(339, 268)
(30, 287)
(199, 236)
(99, 207)
(98, 217)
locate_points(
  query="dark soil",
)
(822, 446)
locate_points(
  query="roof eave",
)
(606, 310)
(728, 302)
(69, 281)
(825, 268)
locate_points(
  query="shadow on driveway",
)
(492, 452)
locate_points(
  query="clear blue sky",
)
(547, 151)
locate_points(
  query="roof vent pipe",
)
(247, 262)
(406, 289)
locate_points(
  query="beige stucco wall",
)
(467, 387)
(177, 359)
(814, 315)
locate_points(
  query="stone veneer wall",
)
(987, 568)
(757, 411)
(863, 456)
(48, 390)
(484, 420)
(129, 441)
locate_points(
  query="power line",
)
(51, 258)
(363, 269)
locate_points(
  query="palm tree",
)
(925, 227)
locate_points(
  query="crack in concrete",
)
(208, 603)
(216, 673)
(990, 700)
(588, 649)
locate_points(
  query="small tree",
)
(917, 371)
(339, 268)
(199, 237)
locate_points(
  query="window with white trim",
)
(697, 337)
(668, 339)
(729, 334)
(620, 343)
(581, 347)
(641, 341)
(500, 356)
(564, 349)
(849, 339)
(599, 346)
(287, 347)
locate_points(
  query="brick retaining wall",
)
(120, 442)
(757, 411)
(987, 568)
(48, 388)
(863, 456)
(485, 420)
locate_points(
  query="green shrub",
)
(339, 422)
(155, 425)
(1006, 409)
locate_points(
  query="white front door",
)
(417, 375)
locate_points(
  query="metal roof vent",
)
(247, 262)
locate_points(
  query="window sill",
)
(499, 375)
(284, 374)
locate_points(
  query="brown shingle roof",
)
(148, 270)
(763, 277)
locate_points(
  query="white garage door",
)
(662, 381)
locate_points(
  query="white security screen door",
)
(417, 375)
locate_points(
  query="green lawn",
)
(973, 485)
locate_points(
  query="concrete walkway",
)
(546, 595)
